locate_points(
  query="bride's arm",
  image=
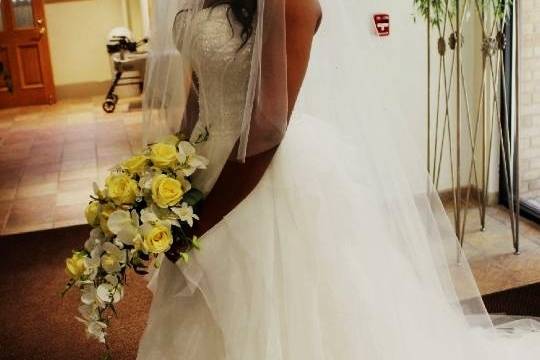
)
(238, 180)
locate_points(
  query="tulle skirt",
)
(317, 263)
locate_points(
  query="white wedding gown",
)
(311, 265)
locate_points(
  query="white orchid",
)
(148, 215)
(92, 263)
(89, 312)
(189, 160)
(94, 329)
(109, 293)
(145, 182)
(111, 279)
(97, 237)
(113, 259)
(89, 295)
(125, 226)
(186, 185)
(185, 213)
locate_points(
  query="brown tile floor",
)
(491, 253)
(50, 155)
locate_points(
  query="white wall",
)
(77, 33)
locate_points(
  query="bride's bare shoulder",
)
(303, 13)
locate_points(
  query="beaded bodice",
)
(222, 67)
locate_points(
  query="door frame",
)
(525, 209)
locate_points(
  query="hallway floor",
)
(51, 155)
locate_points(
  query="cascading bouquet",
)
(144, 210)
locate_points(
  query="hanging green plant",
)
(503, 9)
(440, 9)
(435, 10)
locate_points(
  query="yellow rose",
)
(166, 191)
(92, 213)
(163, 155)
(75, 266)
(106, 211)
(157, 239)
(121, 189)
(135, 165)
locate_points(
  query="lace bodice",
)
(222, 68)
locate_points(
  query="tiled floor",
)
(50, 155)
(491, 253)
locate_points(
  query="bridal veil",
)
(359, 86)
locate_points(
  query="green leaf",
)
(196, 242)
(193, 197)
(185, 256)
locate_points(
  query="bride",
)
(334, 245)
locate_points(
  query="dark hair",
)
(244, 11)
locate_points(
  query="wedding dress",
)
(317, 262)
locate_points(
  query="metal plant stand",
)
(463, 131)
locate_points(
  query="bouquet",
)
(145, 209)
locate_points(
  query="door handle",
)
(42, 30)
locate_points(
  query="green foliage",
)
(193, 197)
(440, 9)
(503, 9)
(437, 10)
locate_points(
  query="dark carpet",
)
(36, 323)
(522, 301)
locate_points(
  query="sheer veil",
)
(375, 101)
(360, 85)
(171, 92)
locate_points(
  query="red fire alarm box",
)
(382, 24)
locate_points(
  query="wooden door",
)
(24, 53)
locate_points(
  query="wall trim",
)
(447, 196)
(82, 90)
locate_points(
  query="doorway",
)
(26, 77)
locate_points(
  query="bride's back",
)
(221, 63)
(236, 180)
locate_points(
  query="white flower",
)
(185, 213)
(125, 226)
(97, 237)
(94, 328)
(89, 312)
(189, 160)
(92, 263)
(113, 259)
(109, 293)
(89, 295)
(149, 216)
(186, 185)
(111, 279)
(145, 181)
